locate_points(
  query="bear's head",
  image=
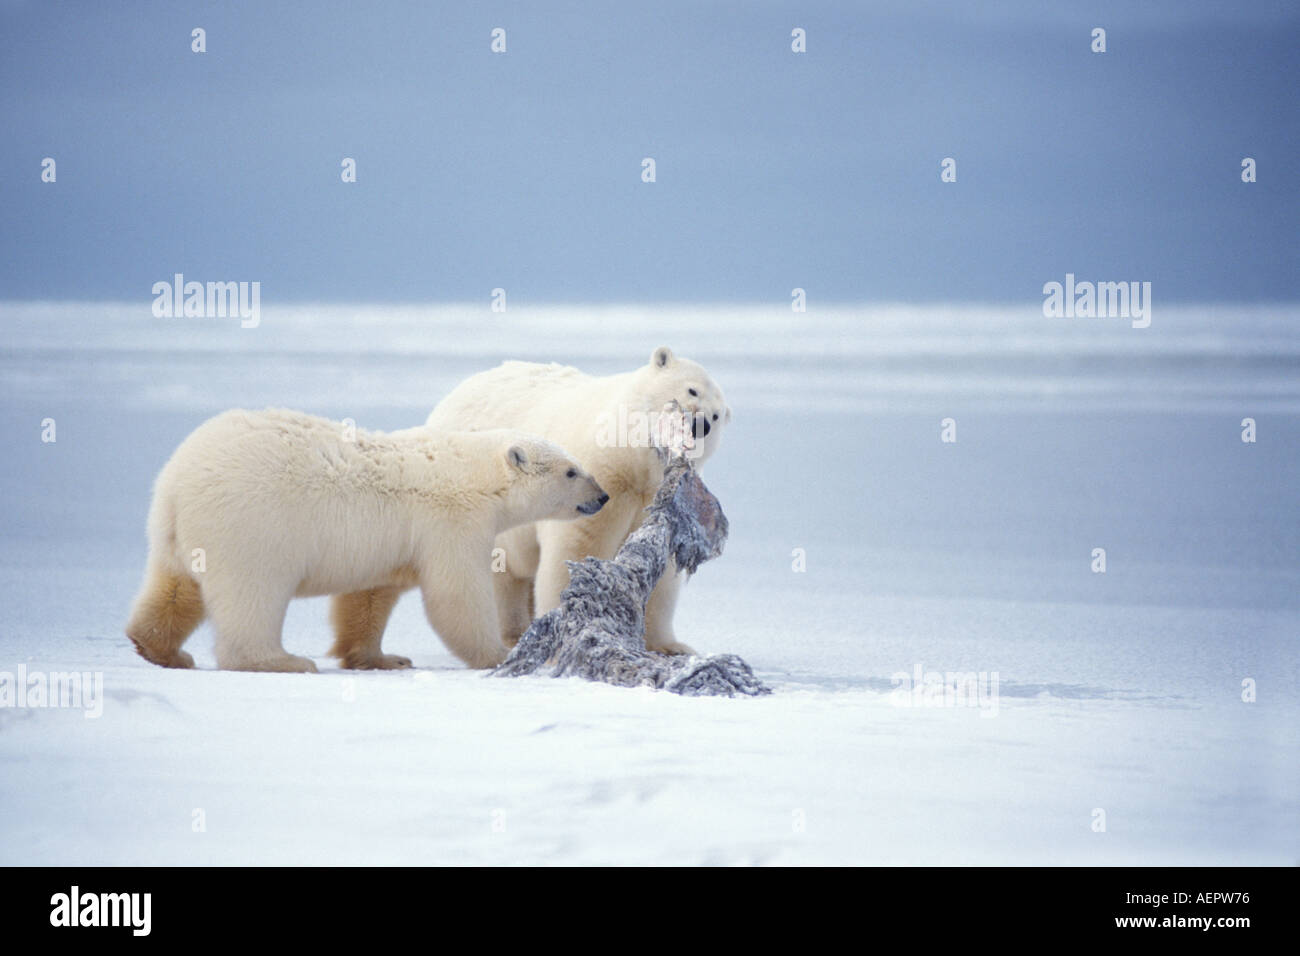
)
(669, 378)
(544, 484)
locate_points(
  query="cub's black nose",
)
(602, 499)
(700, 427)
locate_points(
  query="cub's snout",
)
(591, 506)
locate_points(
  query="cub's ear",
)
(516, 457)
(662, 357)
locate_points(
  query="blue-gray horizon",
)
(774, 170)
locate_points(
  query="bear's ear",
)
(662, 357)
(516, 457)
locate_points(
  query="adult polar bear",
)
(285, 505)
(584, 414)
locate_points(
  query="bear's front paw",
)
(671, 648)
(375, 662)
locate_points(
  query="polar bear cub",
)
(257, 508)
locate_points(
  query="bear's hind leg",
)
(166, 612)
(359, 620)
(249, 616)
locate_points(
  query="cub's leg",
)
(359, 620)
(166, 612)
(460, 604)
(659, 613)
(514, 568)
(514, 598)
(249, 615)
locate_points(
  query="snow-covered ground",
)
(1118, 692)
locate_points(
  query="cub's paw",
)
(283, 664)
(375, 662)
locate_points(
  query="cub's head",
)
(668, 378)
(545, 484)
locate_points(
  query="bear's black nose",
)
(700, 427)
(603, 498)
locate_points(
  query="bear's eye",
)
(570, 474)
(693, 393)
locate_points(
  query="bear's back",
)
(536, 378)
(508, 396)
(310, 467)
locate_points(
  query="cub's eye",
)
(693, 393)
(570, 474)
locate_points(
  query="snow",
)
(1119, 692)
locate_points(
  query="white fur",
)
(573, 409)
(284, 505)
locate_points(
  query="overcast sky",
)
(774, 170)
